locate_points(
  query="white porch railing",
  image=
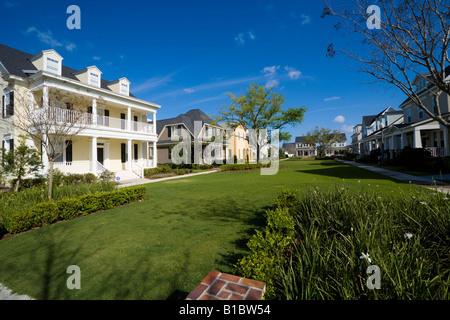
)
(60, 115)
(436, 151)
(137, 169)
(73, 167)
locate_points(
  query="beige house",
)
(238, 146)
(114, 134)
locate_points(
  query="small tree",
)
(260, 108)
(323, 138)
(21, 162)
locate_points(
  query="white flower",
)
(424, 203)
(445, 198)
(408, 235)
(366, 256)
(379, 197)
(359, 180)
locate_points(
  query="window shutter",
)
(3, 106)
(69, 153)
(169, 132)
(123, 149)
(11, 103)
(106, 117)
(11, 146)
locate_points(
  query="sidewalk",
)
(135, 182)
(425, 181)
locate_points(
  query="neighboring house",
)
(238, 146)
(289, 149)
(338, 147)
(374, 128)
(392, 129)
(303, 149)
(199, 127)
(117, 135)
(356, 137)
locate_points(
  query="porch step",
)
(125, 175)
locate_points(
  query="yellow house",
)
(238, 146)
(116, 130)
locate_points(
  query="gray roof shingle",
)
(16, 61)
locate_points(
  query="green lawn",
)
(163, 247)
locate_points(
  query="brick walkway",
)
(223, 286)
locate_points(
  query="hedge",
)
(243, 166)
(46, 213)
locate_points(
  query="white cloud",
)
(189, 90)
(48, 38)
(272, 83)
(96, 58)
(331, 99)
(70, 46)
(340, 119)
(241, 38)
(271, 71)
(305, 19)
(347, 129)
(293, 73)
(153, 83)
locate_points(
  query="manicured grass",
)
(163, 247)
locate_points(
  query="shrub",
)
(312, 245)
(69, 208)
(414, 158)
(48, 212)
(243, 166)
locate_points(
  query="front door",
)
(100, 155)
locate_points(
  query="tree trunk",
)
(50, 180)
(16, 186)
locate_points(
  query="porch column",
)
(106, 155)
(94, 155)
(154, 123)
(403, 140)
(155, 155)
(94, 111)
(417, 139)
(45, 97)
(129, 154)
(129, 118)
(31, 105)
(446, 146)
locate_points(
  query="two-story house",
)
(115, 135)
(200, 129)
(418, 129)
(356, 137)
(303, 149)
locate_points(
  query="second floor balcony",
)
(60, 116)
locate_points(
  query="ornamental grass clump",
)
(338, 234)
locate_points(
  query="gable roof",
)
(16, 61)
(188, 119)
(367, 120)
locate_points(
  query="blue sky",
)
(189, 54)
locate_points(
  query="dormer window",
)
(124, 89)
(52, 65)
(422, 84)
(94, 79)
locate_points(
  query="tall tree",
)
(260, 108)
(401, 39)
(323, 138)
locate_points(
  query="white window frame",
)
(46, 65)
(93, 75)
(124, 91)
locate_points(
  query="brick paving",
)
(223, 286)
